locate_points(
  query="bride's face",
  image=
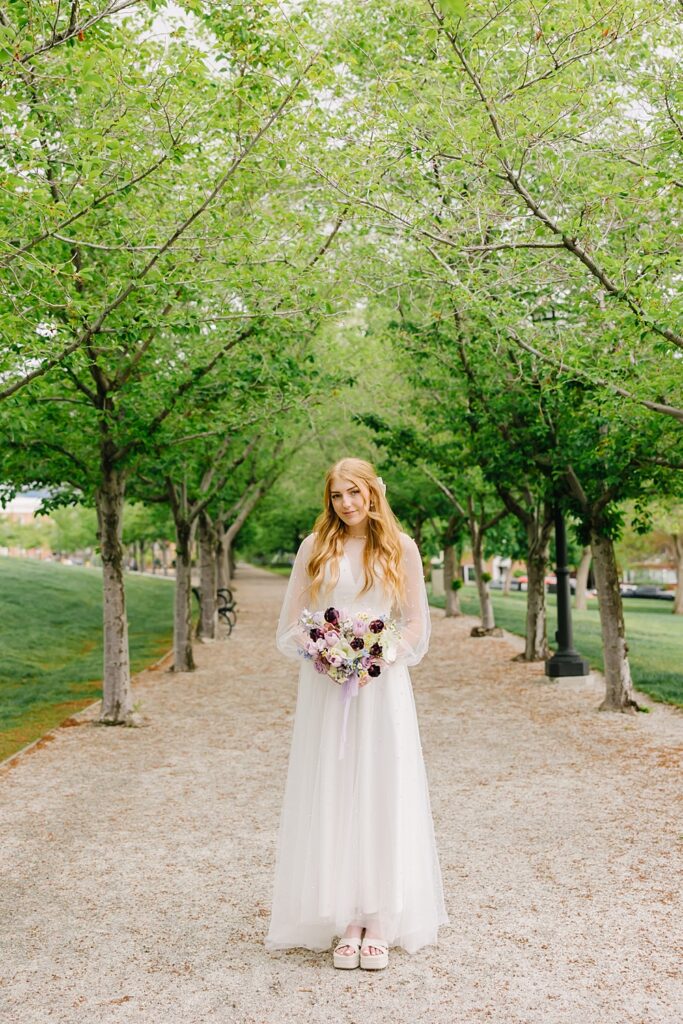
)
(350, 501)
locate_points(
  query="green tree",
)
(119, 294)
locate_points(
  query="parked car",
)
(646, 590)
(522, 583)
(551, 584)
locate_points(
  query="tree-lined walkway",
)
(137, 863)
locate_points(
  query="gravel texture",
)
(137, 863)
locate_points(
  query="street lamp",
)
(565, 661)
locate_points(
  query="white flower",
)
(382, 484)
(342, 649)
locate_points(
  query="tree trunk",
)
(453, 609)
(450, 567)
(538, 541)
(142, 546)
(164, 557)
(618, 685)
(236, 525)
(448, 559)
(207, 577)
(222, 563)
(580, 594)
(507, 580)
(678, 549)
(488, 621)
(117, 698)
(182, 626)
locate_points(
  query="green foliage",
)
(453, 8)
(75, 529)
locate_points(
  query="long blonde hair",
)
(383, 544)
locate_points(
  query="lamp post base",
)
(566, 663)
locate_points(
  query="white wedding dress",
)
(356, 838)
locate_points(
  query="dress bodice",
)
(344, 593)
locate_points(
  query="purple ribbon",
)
(349, 690)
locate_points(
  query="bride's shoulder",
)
(409, 549)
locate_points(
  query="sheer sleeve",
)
(296, 599)
(414, 620)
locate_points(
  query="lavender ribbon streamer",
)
(349, 690)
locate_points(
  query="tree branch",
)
(39, 371)
(667, 410)
(6, 260)
(74, 29)
(576, 488)
(445, 490)
(570, 243)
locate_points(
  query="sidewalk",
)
(137, 864)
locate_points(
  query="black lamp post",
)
(566, 661)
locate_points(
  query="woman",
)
(356, 851)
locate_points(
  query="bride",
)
(356, 854)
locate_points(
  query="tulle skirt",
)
(356, 840)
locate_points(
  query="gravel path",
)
(137, 863)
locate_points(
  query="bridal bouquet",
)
(350, 649)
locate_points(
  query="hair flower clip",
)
(382, 484)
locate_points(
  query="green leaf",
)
(454, 8)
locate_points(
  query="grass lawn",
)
(653, 634)
(51, 641)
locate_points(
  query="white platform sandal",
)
(375, 961)
(347, 960)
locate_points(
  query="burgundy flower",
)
(376, 626)
(374, 670)
(376, 650)
(331, 615)
(316, 633)
(358, 643)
